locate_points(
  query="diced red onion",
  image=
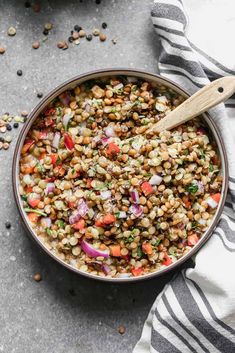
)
(49, 188)
(119, 86)
(105, 195)
(105, 140)
(87, 107)
(201, 131)
(181, 225)
(46, 222)
(155, 180)
(97, 138)
(106, 269)
(75, 216)
(109, 131)
(212, 203)
(82, 208)
(135, 196)
(122, 214)
(136, 210)
(91, 251)
(66, 119)
(56, 140)
(64, 98)
(200, 186)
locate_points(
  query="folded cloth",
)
(196, 311)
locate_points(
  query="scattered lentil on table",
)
(121, 330)
(36, 45)
(37, 277)
(11, 31)
(19, 72)
(2, 50)
(109, 202)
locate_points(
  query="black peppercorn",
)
(40, 95)
(77, 28)
(89, 37)
(104, 25)
(70, 39)
(45, 32)
(19, 72)
(8, 126)
(16, 125)
(8, 225)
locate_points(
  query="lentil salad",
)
(110, 203)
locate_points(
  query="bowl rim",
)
(125, 71)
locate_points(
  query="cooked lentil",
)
(107, 202)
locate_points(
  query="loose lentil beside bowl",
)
(107, 202)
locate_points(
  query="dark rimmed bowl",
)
(94, 75)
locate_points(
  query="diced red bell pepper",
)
(50, 180)
(53, 158)
(187, 203)
(192, 239)
(109, 219)
(216, 197)
(33, 202)
(50, 111)
(40, 135)
(27, 146)
(88, 183)
(28, 189)
(146, 188)
(79, 225)
(136, 271)
(112, 149)
(72, 204)
(99, 223)
(147, 248)
(115, 250)
(59, 171)
(33, 217)
(167, 260)
(42, 155)
(49, 121)
(68, 141)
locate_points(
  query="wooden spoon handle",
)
(207, 97)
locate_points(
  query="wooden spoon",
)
(207, 97)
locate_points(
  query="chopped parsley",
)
(49, 231)
(58, 161)
(194, 224)
(192, 188)
(139, 252)
(60, 223)
(158, 241)
(211, 168)
(40, 168)
(128, 240)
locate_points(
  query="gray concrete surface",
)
(64, 312)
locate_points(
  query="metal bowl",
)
(94, 75)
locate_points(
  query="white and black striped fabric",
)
(196, 311)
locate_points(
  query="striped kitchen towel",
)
(196, 311)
